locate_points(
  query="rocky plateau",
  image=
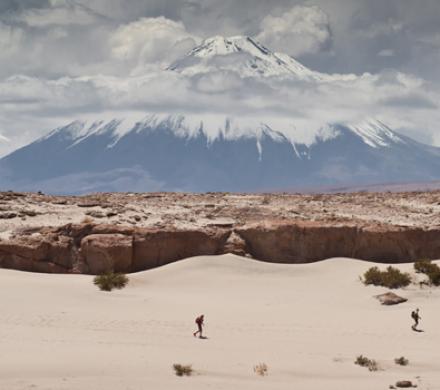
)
(130, 232)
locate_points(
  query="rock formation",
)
(138, 231)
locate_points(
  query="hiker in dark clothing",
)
(416, 317)
(199, 322)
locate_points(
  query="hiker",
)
(199, 322)
(416, 317)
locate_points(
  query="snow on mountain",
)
(372, 132)
(202, 153)
(243, 55)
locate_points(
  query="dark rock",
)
(390, 298)
(405, 384)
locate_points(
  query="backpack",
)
(414, 315)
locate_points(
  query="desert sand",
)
(307, 322)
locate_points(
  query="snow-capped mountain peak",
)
(243, 55)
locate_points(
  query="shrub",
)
(429, 269)
(365, 362)
(391, 277)
(373, 276)
(261, 369)
(110, 280)
(402, 361)
(424, 266)
(182, 370)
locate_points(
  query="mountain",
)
(174, 153)
(219, 152)
(243, 55)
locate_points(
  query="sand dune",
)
(306, 322)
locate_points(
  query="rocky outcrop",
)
(153, 248)
(303, 242)
(91, 248)
(104, 252)
(94, 249)
(390, 298)
(34, 255)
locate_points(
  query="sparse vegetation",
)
(182, 370)
(391, 277)
(430, 269)
(110, 280)
(401, 361)
(365, 362)
(261, 369)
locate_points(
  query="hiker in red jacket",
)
(199, 322)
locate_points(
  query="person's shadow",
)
(416, 330)
(203, 338)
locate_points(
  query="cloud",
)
(299, 31)
(399, 100)
(151, 40)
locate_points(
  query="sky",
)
(66, 59)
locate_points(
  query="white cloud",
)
(29, 105)
(298, 31)
(151, 40)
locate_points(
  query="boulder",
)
(107, 252)
(405, 384)
(390, 298)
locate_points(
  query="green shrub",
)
(430, 269)
(424, 266)
(365, 362)
(391, 277)
(373, 276)
(402, 361)
(110, 280)
(182, 370)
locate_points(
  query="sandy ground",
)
(306, 322)
(24, 211)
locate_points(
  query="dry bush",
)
(391, 277)
(182, 370)
(365, 362)
(261, 369)
(401, 361)
(110, 280)
(431, 270)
